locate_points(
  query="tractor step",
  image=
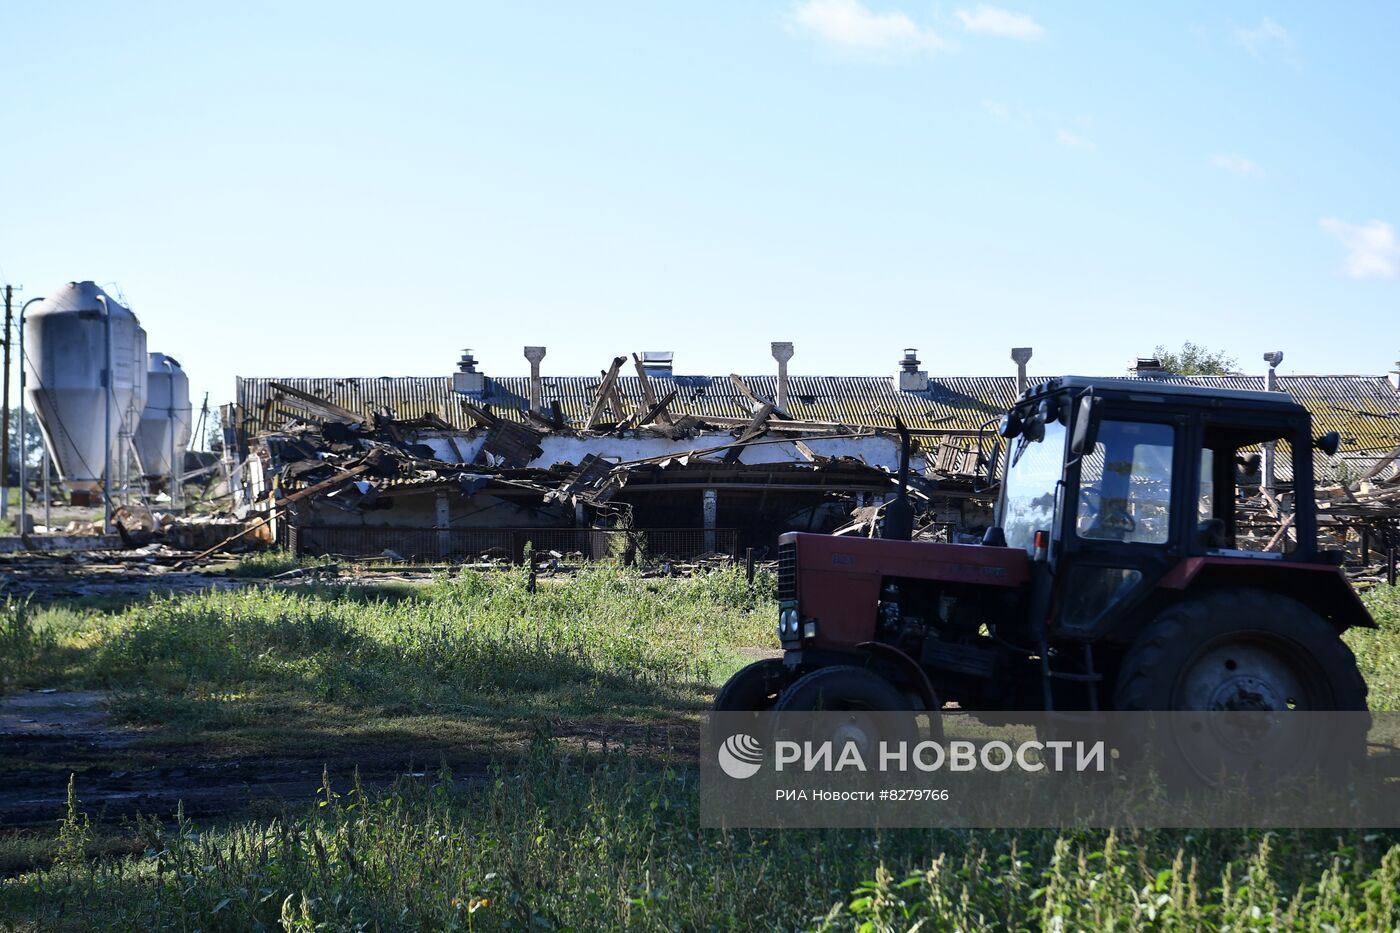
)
(1078, 678)
(958, 659)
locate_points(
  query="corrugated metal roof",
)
(1365, 410)
(951, 403)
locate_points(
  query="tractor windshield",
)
(1032, 483)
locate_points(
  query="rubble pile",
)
(344, 482)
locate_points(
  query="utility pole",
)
(5, 433)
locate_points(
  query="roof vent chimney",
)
(466, 379)
(1395, 376)
(534, 355)
(911, 378)
(1148, 366)
(1273, 358)
(1021, 356)
(782, 352)
(659, 362)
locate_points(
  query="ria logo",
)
(740, 756)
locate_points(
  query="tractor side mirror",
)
(1086, 426)
(1329, 443)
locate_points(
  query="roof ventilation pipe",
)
(534, 355)
(782, 352)
(659, 363)
(911, 378)
(1273, 358)
(1147, 366)
(466, 379)
(1021, 356)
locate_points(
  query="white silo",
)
(164, 431)
(73, 338)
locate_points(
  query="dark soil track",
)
(46, 736)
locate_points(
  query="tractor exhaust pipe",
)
(898, 523)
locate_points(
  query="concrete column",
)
(711, 514)
(443, 523)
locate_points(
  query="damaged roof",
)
(1364, 410)
(950, 403)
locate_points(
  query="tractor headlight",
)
(788, 624)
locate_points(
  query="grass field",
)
(529, 822)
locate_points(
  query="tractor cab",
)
(1117, 488)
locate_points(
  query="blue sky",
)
(364, 189)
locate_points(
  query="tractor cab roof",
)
(1168, 390)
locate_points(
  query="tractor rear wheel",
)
(754, 688)
(1253, 651)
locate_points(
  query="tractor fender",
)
(916, 674)
(1321, 587)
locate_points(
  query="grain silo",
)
(85, 361)
(163, 433)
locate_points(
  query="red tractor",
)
(1115, 576)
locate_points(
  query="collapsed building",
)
(471, 465)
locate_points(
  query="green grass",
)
(558, 838)
(263, 564)
(249, 671)
(1378, 650)
(552, 845)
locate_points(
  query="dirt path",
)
(46, 735)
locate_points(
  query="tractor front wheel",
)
(753, 689)
(860, 707)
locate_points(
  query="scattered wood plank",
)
(317, 405)
(277, 507)
(655, 412)
(1283, 529)
(619, 408)
(480, 415)
(755, 403)
(601, 399)
(1379, 467)
(751, 432)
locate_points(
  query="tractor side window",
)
(1125, 485)
(1205, 501)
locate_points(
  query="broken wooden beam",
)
(752, 431)
(657, 411)
(605, 388)
(317, 405)
(277, 507)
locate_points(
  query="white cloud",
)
(1234, 162)
(1074, 141)
(1373, 249)
(997, 109)
(851, 24)
(1267, 37)
(992, 21)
